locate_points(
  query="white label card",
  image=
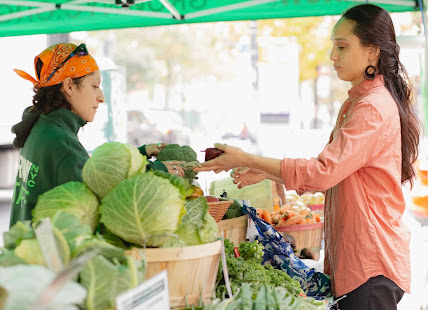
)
(151, 294)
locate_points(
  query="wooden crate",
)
(305, 235)
(234, 229)
(191, 270)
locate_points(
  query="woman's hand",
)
(154, 149)
(244, 176)
(231, 158)
(174, 167)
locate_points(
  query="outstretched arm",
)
(244, 176)
(235, 157)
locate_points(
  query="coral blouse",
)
(360, 170)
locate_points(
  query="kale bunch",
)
(248, 268)
(234, 211)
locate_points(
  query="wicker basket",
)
(192, 270)
(234, 229)
(305, 235)
(217, 209)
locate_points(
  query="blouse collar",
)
(365, 86)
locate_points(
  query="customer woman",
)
(370, 154)
(67, 96)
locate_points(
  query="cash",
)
(190, 165)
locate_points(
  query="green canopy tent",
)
(25, 17)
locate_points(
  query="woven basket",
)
(192, 271)
(305, 235)
(234, 229)
(218, 208)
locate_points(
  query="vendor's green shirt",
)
(51, 155)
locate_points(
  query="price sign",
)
(152, 294)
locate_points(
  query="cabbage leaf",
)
(71, 228)
(110, 164)
(25, 283)
(98, 277)
(74, 198)
(105, 249)
(29, 250)
(197, 225)
(9, 258)
(105, 280)
(18, 232)
(144, 210)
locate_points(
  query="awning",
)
(25, 17)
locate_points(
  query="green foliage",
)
(312, 34)
(266, 298)
(234, 211)
(251, 250)
(181, 153)
(248, 268)
(144, 209)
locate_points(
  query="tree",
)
(172, 55)
(313, 35)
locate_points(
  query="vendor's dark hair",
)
(374, 27)
(51, 98)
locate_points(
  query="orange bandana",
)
(52, 57)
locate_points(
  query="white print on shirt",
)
(24, 166)
(27, 171)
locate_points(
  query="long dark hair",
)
(51, 98)
(374, 27)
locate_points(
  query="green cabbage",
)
(110, 164)
(71, 228)
(197, 225)
(105, 249)
(74, 198)
(144, 209)
(17, 233)
(105, 280)
(8, 258)
(23, 247)
(29, 250)
(25, 283)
